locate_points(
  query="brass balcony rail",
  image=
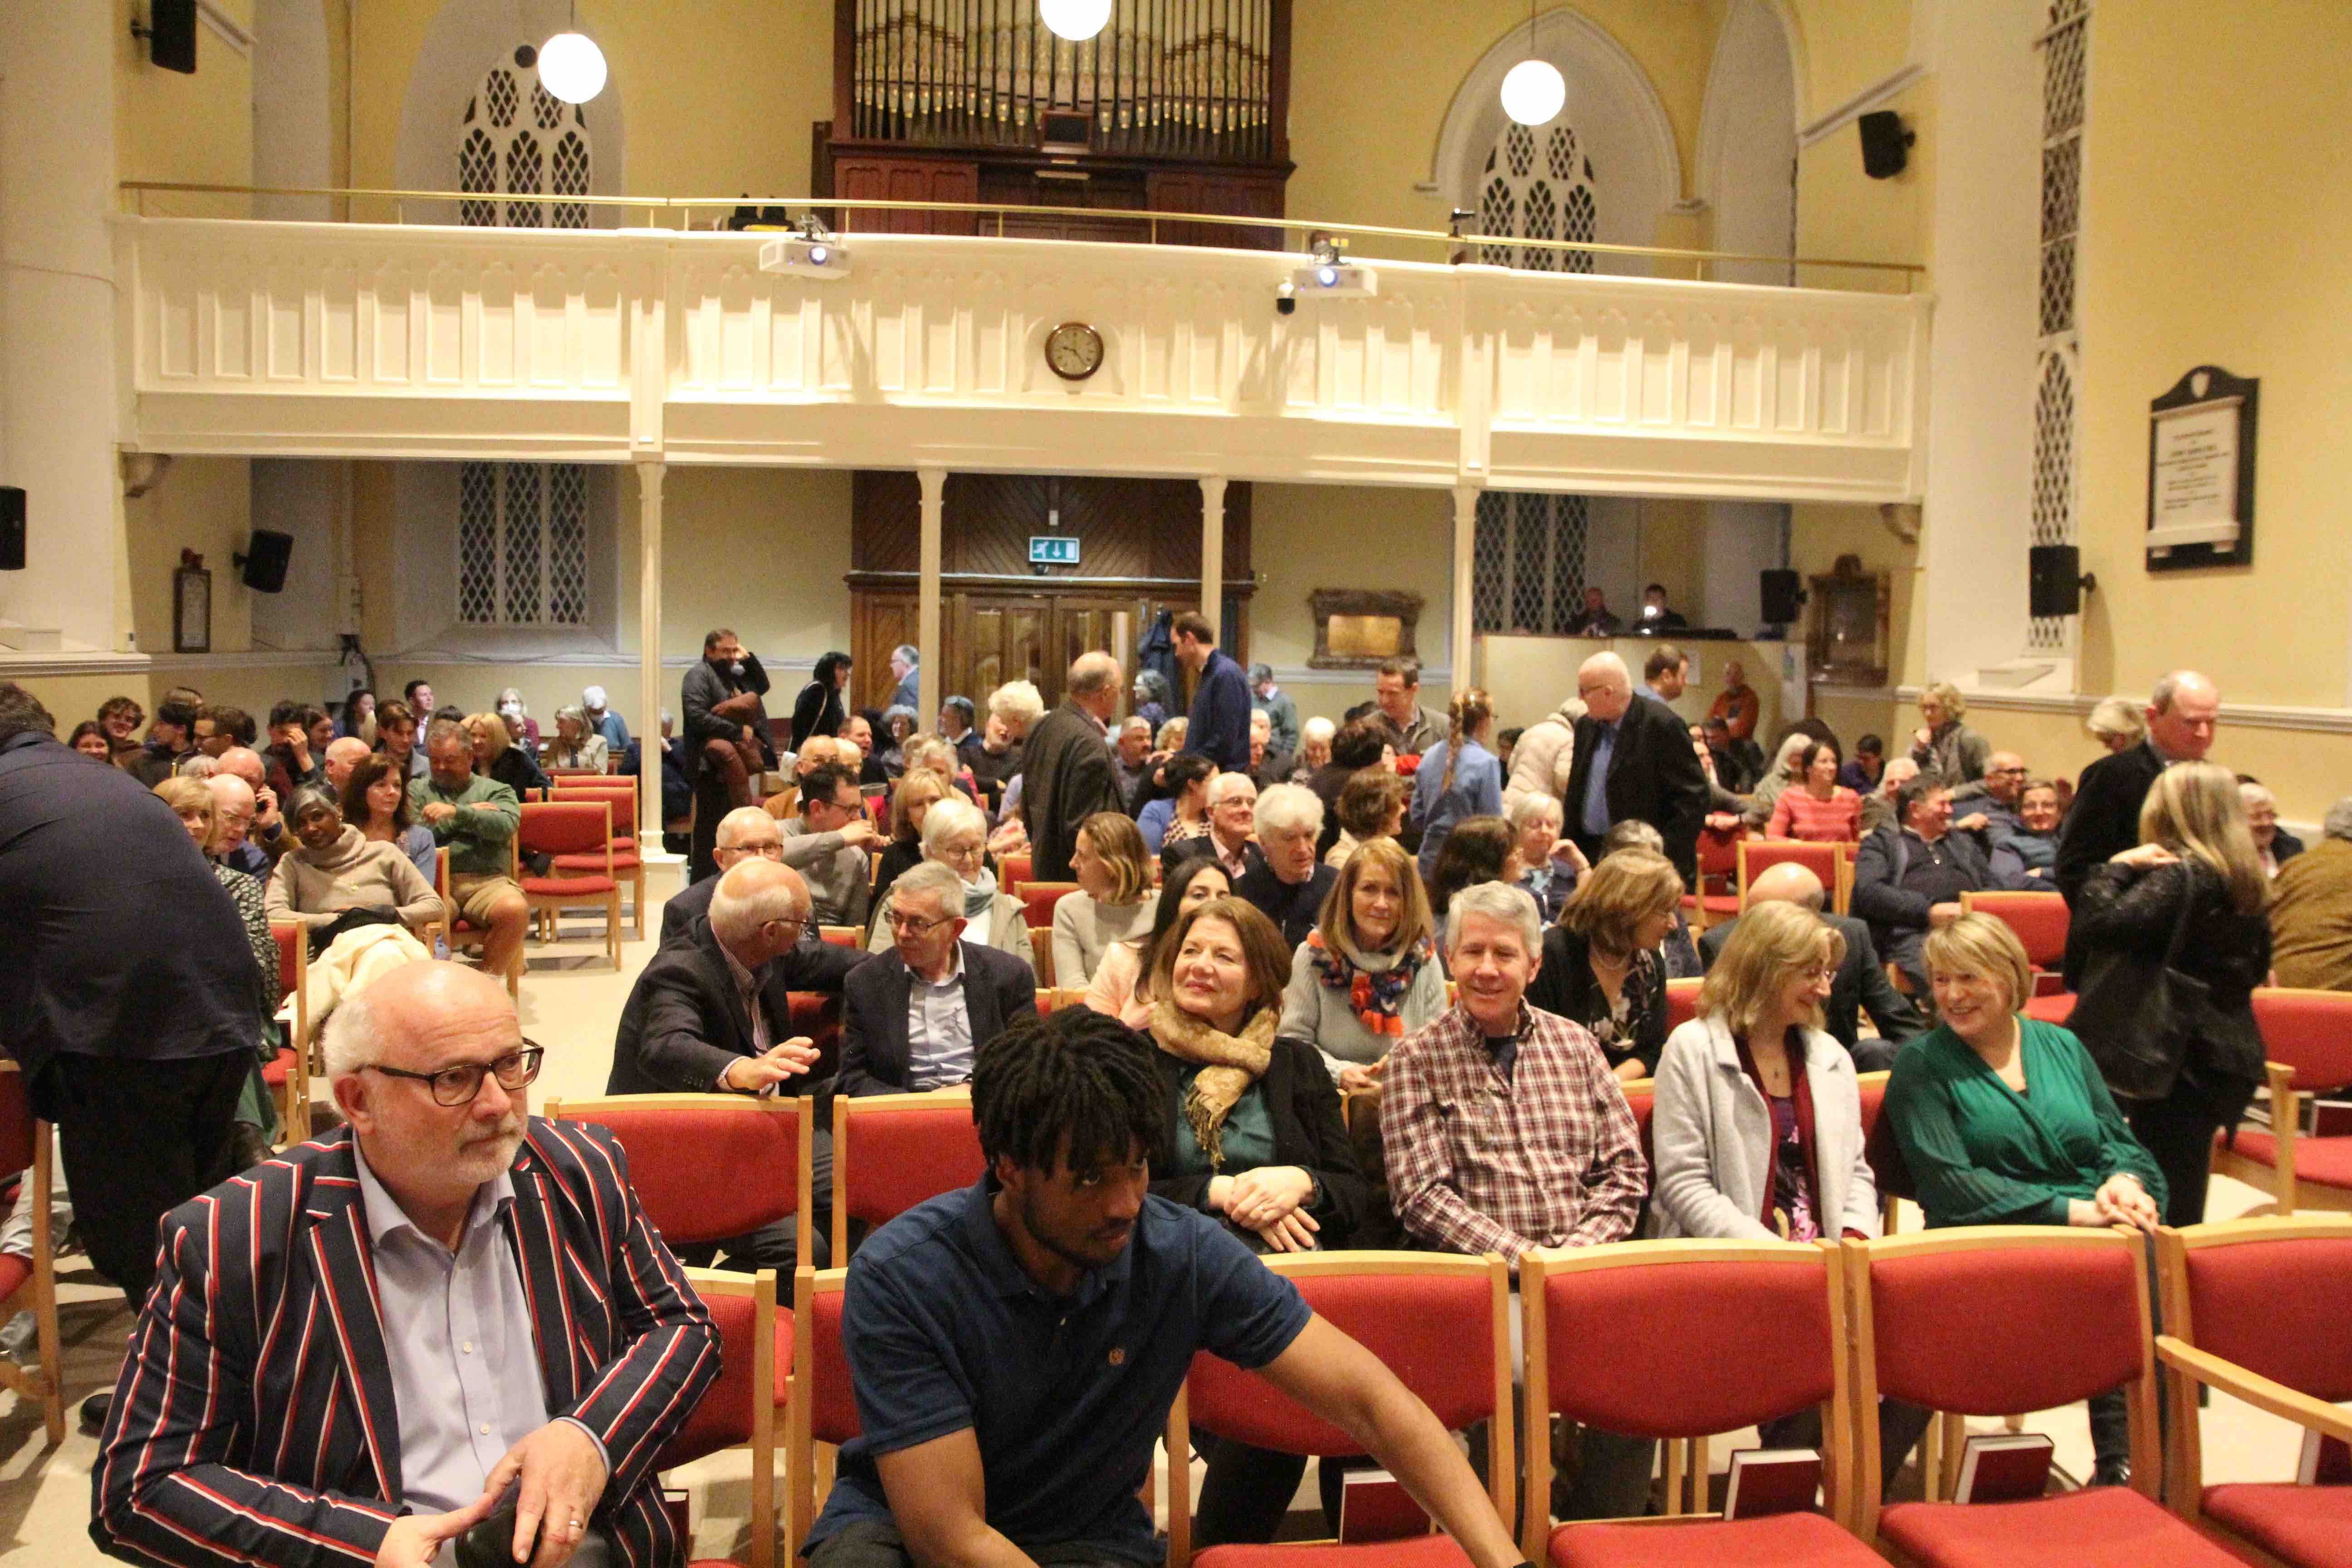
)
(1451, 246)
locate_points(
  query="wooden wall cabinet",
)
(898, 179)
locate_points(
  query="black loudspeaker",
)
(12, 529)
(2055, 580)
(264, 570)
(1783, 602)
(171, 35)
(1886, 145)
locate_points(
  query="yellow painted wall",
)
(167, 126)
(204, 504)
(1305, 537)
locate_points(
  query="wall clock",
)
(1074, 351)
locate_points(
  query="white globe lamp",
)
(1077, 20)
(1534, 92)
(572, 67)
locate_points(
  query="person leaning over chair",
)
(914, 1016)
(1368, 975)
(2195, 865)
(1113, 901)
(412, 1251)
(2003, 1119)
(1601, 967)
(956, 835)
(335, 868)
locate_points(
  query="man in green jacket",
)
(476, 818)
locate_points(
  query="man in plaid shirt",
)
(1504, 1130)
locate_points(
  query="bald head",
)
(818, 750)
(1606, 687)
(342, 756)
(419, 1017)
(232, 811)
(1785, 883)
(747, 827)
(245, 763)
(759, 911)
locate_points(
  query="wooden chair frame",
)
(1839, 1444)
(294, 1094)
(804, 1140)
(1841, 884)
(43, 1386)
(2287, 1192)
(1041, 956)
(2185, 1366)
(550, 906)
(850, 1109)
(1862, 1381)
(1501, 1477)
(449, 910)
(805, 1488)
(762, 1289)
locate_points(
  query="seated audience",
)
(1459, 775)
(2003, 1119)
(374, 801)
(1554, 864)
(916, 1014)
(355, 719)
(256, 1109)
(1814, 807)
(1122, 984)
(396, 736)
(1878, 805)
(901, 725)
(1368, 975)
(475, 820)
(2026, 858)
(89, 738)
(1479, 849)
(342, 755)
(2118, 723)
(1114, 902)
(2273, 844)
(1680, 947)
(2311, 910)
(955, 836)
(1355, 746)
(1656, 614)
(1602, 969)
(236, 814)
(995, 762)
(1598, 620)
(1987, 807)
(334, 868)
(521, 728)
(1946, 749)
(1736, 706)
(1481, 1160)
(1130, 763)
(1725, 764)
(1170, 741)
(957, 724)
(220, 725)
(604, 721)
(119, 719)
(496, 757)
(299, 734)
(355, 1245)
(1314, 747)
(1783, 774)
(1860, 982)
(1230, 821)
(1151, 698)
(746, 833)
(1267, 767)
(168, 739)
(1371, 806)
(1725, 807)
(913, 796)
(828, 845)
(1907, 880)
(1861, 774)
(2195, 863)
(932, 754)
(576, 745)
(1287, 884)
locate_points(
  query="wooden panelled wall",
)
(1002, 620)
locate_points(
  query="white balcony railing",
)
(433, 342)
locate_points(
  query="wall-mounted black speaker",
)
(1886, 145)
(171, 35)
(1783, 601)
(12, 529)
(2055, 580)
(263, 570)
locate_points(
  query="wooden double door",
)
(992, 635)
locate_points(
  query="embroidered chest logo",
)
(1117, 1356)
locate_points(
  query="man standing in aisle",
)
(1281, 712)
(1396, 694)
(1069, 773)
(1219, 726)
(1633, 758)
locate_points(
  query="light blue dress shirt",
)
(938, 1028)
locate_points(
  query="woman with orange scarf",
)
(1367, 974)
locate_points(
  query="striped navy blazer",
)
(253, 1421)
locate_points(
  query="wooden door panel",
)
(879, 621)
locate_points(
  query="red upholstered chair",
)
(1717, 898)
(2068, 1313)
(2040, 921)
(817, 1016)
(843, 936)
(732, 1414)
(580, 831)
(824, 1409)
(1887, 1172)
(628, 865)
(1440, 1323)
(289, 1077)
(30, 1284)
(1012, 873)
(1682, 1002)
(1823, 860)
(1038, 899)
(2307, 1044)
(2255, 1308)
(1592, 1312)
(890, 1151)
(463, 933)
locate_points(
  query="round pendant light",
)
(1534, 92)
(572, 67)
(1077, 20)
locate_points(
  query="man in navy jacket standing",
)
(1219, 726)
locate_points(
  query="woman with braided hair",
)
(1460, 776)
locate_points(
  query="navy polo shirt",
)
(945, 1331)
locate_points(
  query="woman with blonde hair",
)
(576, 745)
(2118, 722)
(1601, 967)
(1460, 776)
(1943, 746)
(1114, 898)
(1368, 975)
(911, 797)
(1170, 738)
(956, 835)
(2194, 871)
(498, 757)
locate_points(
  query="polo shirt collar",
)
(1004, 1270)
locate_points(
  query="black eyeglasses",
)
(458, 1085)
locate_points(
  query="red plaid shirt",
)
(1476, 1162)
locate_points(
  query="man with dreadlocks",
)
(1015, 1346)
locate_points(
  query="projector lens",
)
(819, 255)
(1326, 276)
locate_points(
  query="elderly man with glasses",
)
(461, 1300)
(919, 1010)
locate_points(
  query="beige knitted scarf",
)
(1229, 1063)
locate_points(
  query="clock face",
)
(1074, 351)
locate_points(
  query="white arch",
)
(293, 124)
(1744, 170)
(1619, 119)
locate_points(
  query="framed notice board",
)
(2200, 472)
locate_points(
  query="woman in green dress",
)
(2005, 1121)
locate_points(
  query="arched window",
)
(523, 528)
(1528, 555)
(2058, 355)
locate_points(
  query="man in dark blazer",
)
(970, 992)
(262, 1417)
(1647, 768)
(747, 833)
(1861, 980)
(1068, 774)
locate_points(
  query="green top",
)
(1248, 1135)
(1981, 1154)
(477, 839)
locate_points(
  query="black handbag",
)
(2137, 1014)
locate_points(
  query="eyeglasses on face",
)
(909, 924)
(458, 1085)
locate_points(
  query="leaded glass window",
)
(2058, 351)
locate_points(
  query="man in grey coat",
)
(1067, 771)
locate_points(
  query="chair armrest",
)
(2287, 1404)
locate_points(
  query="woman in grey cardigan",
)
(1757, 1126)
(1367, 975)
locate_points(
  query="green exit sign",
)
(1053, 549)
